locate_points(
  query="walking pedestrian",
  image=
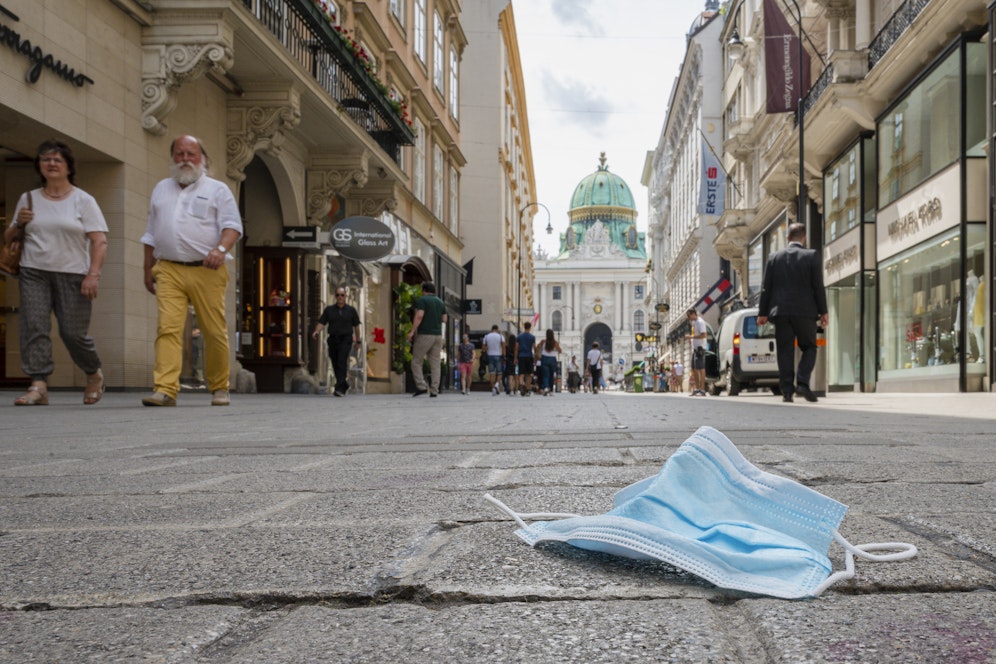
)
(194, 222)
(343, 322)
(493, 345)
(427, 333)
(793, 297)
(697, 381)
(511, 360)
(594, 361)
(573, 375)
(677, 376)
(465, 362)
(548, 352)
(526, 343)
(63, 248)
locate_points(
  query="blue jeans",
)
(548, 367)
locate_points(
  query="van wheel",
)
(732, 385)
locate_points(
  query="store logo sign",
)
(362, 238)
(39, 59)
(911, 222)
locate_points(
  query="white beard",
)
(186, 173)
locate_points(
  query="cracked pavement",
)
(291, 528)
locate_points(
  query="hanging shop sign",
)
(362, 238)
(39, 59)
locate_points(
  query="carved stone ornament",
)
(333, 176)
(165, 67)
(254, 128)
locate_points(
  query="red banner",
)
(781, 62)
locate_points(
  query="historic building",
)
(498, 191)
(310, 110)
(594, 288)
(683, 210)
(894, 154)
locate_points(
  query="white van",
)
(746, 354)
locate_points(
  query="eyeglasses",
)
(340, 295)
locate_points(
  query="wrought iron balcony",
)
(304, 32)
(894, 29)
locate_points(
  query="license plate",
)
(760, 359)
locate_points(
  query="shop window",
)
(920, 312)
(920, 135)
(271, 325)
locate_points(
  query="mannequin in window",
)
(971, 289)
(979, 320)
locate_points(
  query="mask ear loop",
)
(902, 551)
(519, 516)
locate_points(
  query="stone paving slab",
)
(943, 472)
(618, 631)
(903, 498)
(881, 628)
(108, 568)
(191, 511)
(118, 635)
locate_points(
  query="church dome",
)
(602, 219)
(602, 189)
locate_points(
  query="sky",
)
(598, 74)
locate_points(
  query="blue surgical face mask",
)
(712, 513)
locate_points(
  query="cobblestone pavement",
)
(289, 528)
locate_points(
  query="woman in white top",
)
(549, 350)
(65, 242)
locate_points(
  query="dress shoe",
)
(787, 398)
(418, 393)
(806, 393)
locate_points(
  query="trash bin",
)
(638, 382)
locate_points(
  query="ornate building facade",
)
(895, 153)
(684, 262)
(594, 288)
(499, 185)
(310, 110)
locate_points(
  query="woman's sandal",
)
(94, 388)
(35, 396)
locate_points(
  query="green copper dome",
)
(602, 189)
(602, 219)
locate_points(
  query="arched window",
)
(558, 321)
(638, 321)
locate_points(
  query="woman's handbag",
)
(10, 254)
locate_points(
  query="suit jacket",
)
(793, 284)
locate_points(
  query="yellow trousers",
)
(176, 286)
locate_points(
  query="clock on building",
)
(597, 308)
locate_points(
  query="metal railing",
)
(894, 29)
(307, 36)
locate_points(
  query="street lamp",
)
(518, 302)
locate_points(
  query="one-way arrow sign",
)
(300, 236)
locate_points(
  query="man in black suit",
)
(793, 296)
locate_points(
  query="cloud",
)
(579, 102)
(577, 13)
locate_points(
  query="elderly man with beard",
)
(193, 224)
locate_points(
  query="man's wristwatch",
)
(222, 249)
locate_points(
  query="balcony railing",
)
(894, 29)
(307, 36)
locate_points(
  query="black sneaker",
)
(418, 393)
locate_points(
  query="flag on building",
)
(717, 293)
(712, 191)
(536, 319)
(786, 85)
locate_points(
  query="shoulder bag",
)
(10, 255)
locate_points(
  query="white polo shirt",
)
(185, 223)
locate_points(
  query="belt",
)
(186, 263)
